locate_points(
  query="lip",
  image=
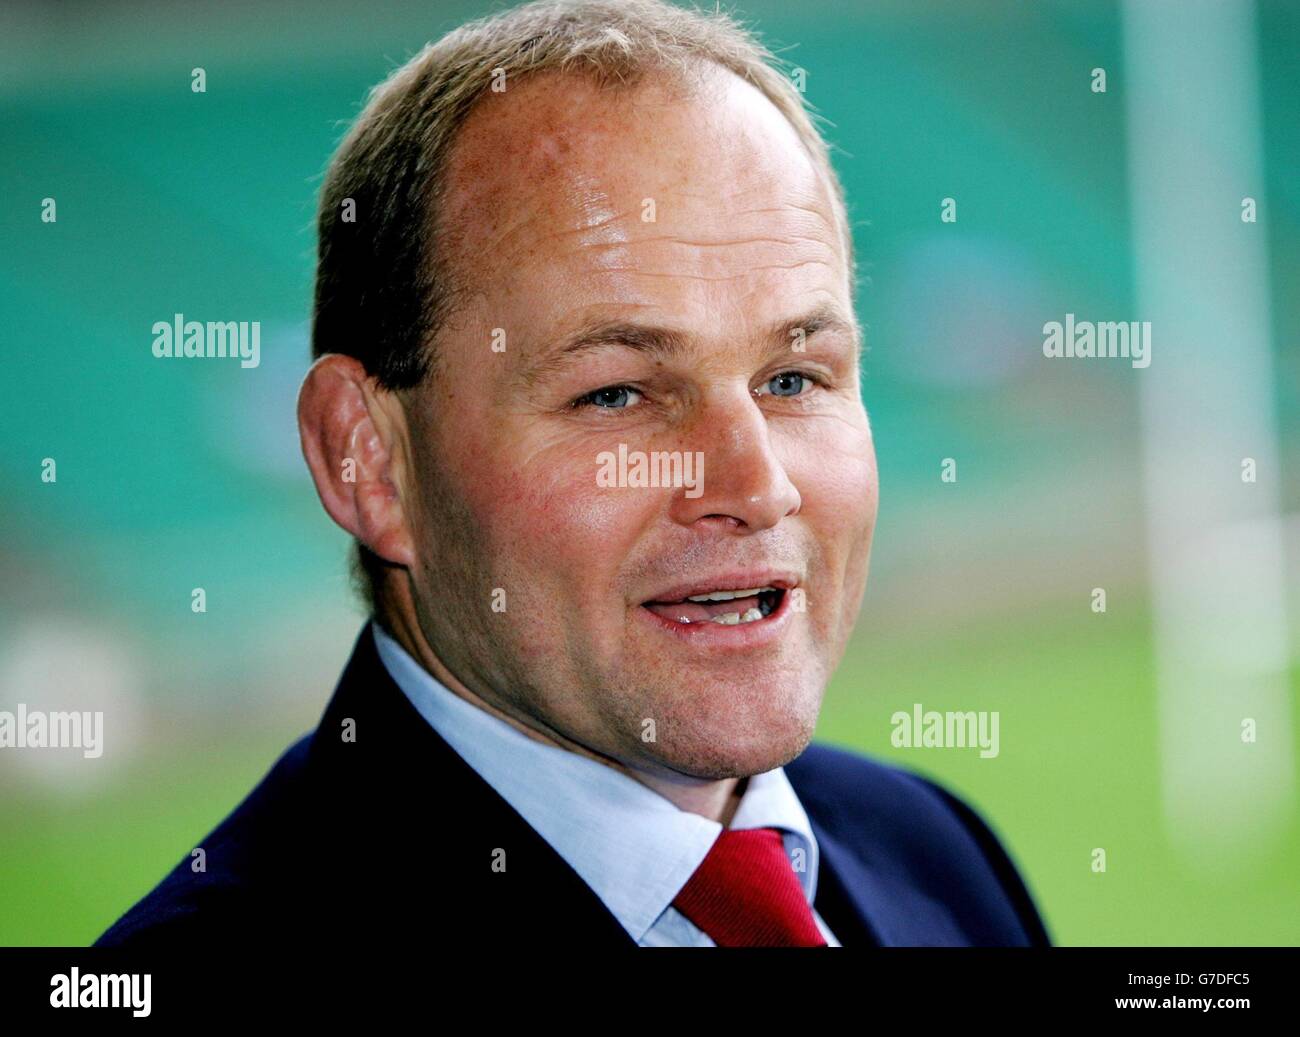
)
(716, 636)
(737, 580)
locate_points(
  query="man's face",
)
(705, 217)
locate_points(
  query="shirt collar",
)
(632, 846)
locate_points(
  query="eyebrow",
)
(670, 342)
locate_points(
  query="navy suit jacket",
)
(331, 849)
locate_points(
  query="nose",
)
(744, 485)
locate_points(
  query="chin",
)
(738, 749)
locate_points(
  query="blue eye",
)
(612, 397)
(787, 383)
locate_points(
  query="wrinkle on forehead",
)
(558, 122)
(586, 214)
(515, 146)
(600, 231)
(552, 176)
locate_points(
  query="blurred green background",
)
(173, 476)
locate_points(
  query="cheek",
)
(841, 497)
(839, 484)
(546, 520)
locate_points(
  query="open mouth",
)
(724, 607)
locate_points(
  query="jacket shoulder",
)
(917, 830)
(243, 866)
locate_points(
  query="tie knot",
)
(745, 894)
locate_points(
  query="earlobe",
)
(351, 445)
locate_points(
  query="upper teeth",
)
(727, 595)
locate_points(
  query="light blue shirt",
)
(632, 846)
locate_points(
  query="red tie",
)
(746, 894)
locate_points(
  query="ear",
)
(354, 439)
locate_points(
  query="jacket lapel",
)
(432, 844)
(863, 904)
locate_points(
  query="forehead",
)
(565, 203)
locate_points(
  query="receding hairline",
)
(400, 143)
(453, 217)
(686, 83)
